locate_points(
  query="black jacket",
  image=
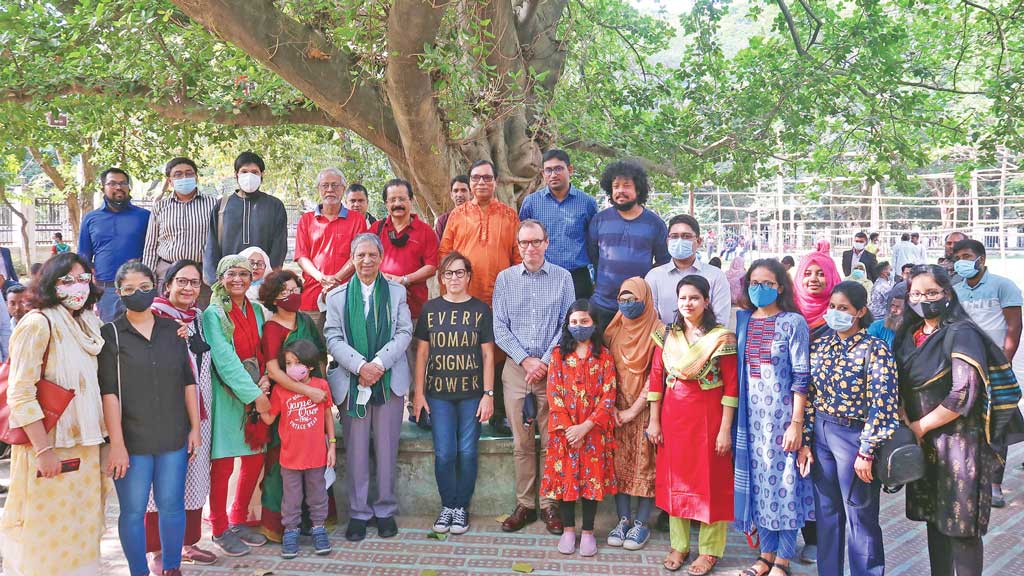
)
(868, 259)
(256, 220)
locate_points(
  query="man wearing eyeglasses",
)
(180, 224)
(530, 302)
(111, 236)
(565, 211)
(684, 242)
(323, 239)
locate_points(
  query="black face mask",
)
(930, 310)
(119, 204)
(399, 240)
(139, 301)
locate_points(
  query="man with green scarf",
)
(368, 330)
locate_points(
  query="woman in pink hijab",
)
(816, 276)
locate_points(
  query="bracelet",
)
(797, 422)
(333, 440)
(43, 451)
(863, 456)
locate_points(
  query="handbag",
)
(52, 398)
(900, 460)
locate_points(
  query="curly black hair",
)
(626, 169)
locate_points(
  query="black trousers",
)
(582, 283)
(567, 510)
(951, 556)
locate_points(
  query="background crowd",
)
(759, 398)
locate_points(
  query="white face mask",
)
(249, 182)
(362, 399)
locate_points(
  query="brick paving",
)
(487, 550)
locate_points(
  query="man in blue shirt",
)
(111, 236)
(625, 240)
(565, 211)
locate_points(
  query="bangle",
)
(43, 451)
(333, 441)
(864, 456)
(797, 422)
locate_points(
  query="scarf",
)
(74, 345)
(685, 361)
(163, 308)
(367, 334)
(629, 340)
(813, 306)
(220, 294)
(743, 505)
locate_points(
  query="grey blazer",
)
(392, 355)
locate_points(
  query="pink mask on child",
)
(297, 372)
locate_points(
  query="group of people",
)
(641, 370)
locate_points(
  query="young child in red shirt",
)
(307, 447)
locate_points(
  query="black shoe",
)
(356, 530)
(386, 527)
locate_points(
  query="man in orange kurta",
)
(484, 230)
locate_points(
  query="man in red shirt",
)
(410, 245)
(323, 242)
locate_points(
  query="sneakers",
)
(290, 543)
(321, 542)
(618, 534)
(567, 543)
(196, 555)
(588, 544)
(444, 520)
(230, 544)
(460, 521)
(636, 538)
(248, 535)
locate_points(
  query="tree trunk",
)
(26, 248)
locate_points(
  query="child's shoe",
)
(637, 536)
(588, 544)
(290, 543)
(567, 542)
(321, 542)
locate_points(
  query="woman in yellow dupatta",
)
(628, 337)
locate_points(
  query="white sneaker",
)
(444, 520)
(460, 521)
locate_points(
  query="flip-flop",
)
(674, 565)
(711, 562)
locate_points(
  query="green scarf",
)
(367, 334)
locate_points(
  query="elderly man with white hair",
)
(368, 331)
(322, 241)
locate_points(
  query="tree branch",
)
(305, 59)
(935, 88)
(49, 169)
(606, 151)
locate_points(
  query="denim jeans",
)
(456, 432)
(109, 306)
(165, 475)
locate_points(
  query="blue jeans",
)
(456, 432)
(165, 475)
(109, 306)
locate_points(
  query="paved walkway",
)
(487, 550)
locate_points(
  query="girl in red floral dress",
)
(581, 396)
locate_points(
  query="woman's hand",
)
(793, 438)
(654, 432)
(804, 459)
(118, 465)
(194, 442)
(723, 444)
(576, 434)
(918, 431)
(419, 404)
(317, 395)
(48, 464)
(486, 408)
(265, 384)
(862, 467)
(626, 416)
(182, 330)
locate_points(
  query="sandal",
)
(752, 571)
(783, 569)
(673, 565)
(703, 565)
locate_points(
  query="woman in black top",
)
(152, 414)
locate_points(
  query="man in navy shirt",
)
(565, 211)
(625, 240)
(111, 236)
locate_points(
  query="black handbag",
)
(900, 460)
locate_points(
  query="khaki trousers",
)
(529, 464)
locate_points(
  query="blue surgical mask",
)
(838, 320)
(631, 310)
(858, 274)
(761, 296)
(966, 268)
(184, 185)
(581, 333)
(680, 248)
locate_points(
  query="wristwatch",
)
(489, 393)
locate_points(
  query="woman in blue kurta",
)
(772, 498)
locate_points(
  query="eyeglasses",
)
(288, 292)
(485, 178)
(129, 290)
(460, 273)
(683, 236)
(766, 284)
(257, 264)
(175, 175)
(330, 186)
(68, 280)
(186, 282)
(524, 244)
(929, 295)
(554, 170)
(627, 300)
(117, 184)
(235, 275)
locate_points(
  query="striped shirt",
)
(178, 230)
(621, 249)
(529, 308)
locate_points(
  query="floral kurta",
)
(579, 390)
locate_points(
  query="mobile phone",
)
(66, 466)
